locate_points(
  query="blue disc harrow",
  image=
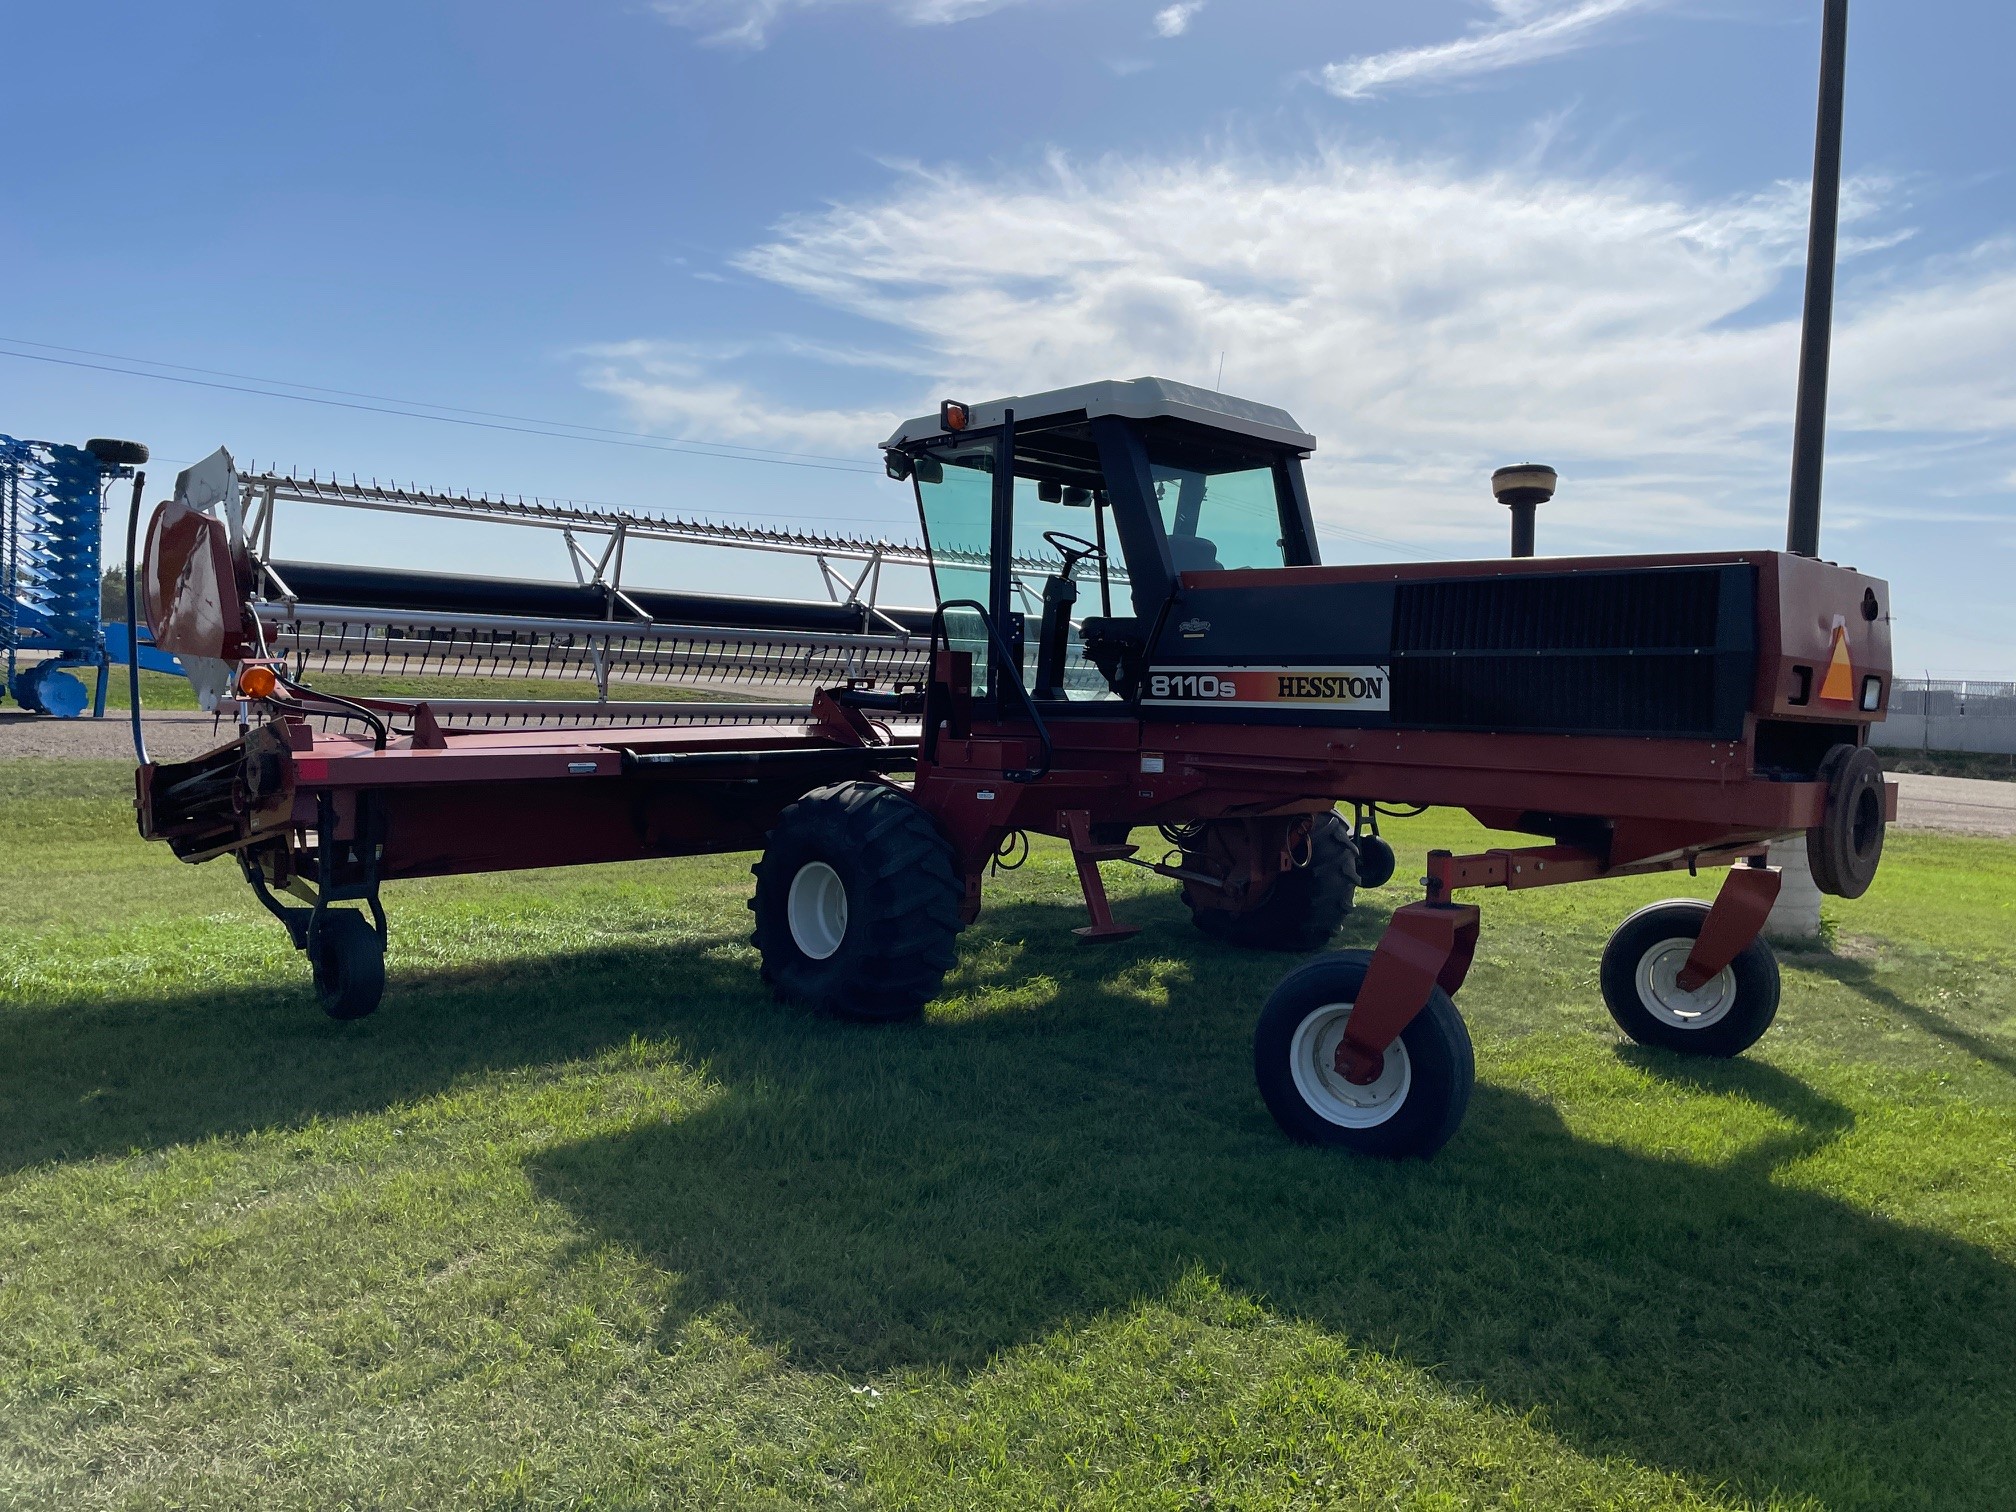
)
(51, 498)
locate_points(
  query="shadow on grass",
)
(924, 1197)
(78, 1081)
(1861, 978)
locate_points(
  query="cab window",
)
(955, 496)
(1221, 505)
(1061, 517)
(1052, 519)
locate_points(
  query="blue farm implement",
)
(51, 497)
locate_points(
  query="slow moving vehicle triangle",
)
(1839, 684)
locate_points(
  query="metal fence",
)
(1940, 714)
(1944, 699)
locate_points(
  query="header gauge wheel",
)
(1375, 861)
(857, 903)
(348, 960)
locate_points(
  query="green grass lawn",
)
(582, 1219)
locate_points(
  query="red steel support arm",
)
(1425, 946)
(1734, 920)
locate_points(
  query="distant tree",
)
(112, 597)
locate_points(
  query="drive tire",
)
(348, 960)
(1305, 906)
(857, 904)
(1846, 846)
(1415, 1105)
(1726, 1017)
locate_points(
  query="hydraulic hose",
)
(379, 730)
(133, 617)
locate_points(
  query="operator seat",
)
(1192, 553)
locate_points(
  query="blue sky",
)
(1446, 235)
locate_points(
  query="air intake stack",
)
(1523, 489)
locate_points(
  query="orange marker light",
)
(257, 682)
(953, 416)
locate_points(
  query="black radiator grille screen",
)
(1674, 608)
(1651, 652)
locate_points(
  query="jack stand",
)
(1087, 856)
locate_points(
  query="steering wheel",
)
(1074, 549)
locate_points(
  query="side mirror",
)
(897, 465)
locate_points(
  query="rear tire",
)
(1726, 1017)
(857, 904)
(1303, 908)
(1411, 1109)
(348, 960)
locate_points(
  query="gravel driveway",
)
(1962, 805)
(175, 737)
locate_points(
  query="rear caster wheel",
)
(1641, 963)
(857, 903)
(1412, 1107)
(1375, 861)
(348, 960)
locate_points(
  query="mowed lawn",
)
(581, 1218)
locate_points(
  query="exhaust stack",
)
(1809, 425)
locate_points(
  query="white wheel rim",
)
(816, 910)
(1662, 996)
(1312, 1057)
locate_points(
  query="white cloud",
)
(1525, 31)
(678, 390)
(748, 23)
(1427, 322)
(1174, 20)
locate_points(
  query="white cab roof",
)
(1134, 399)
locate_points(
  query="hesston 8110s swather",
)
(1634, 714)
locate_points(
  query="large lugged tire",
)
(348, 960)
(1726, 1017)
(1304, 907)
(1420, 1095)
(1846, 846)
(857, 903)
